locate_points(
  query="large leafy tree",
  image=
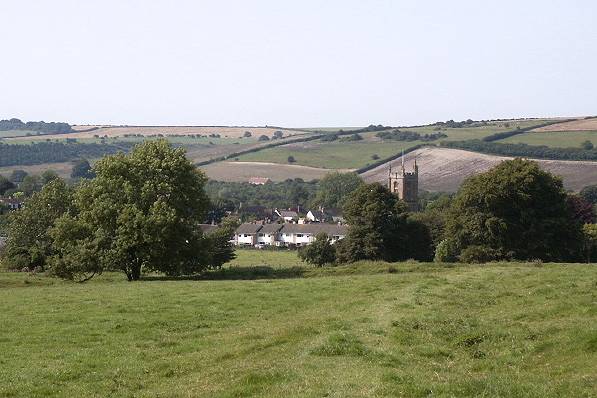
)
(515, 210)
(379, 228)
(335, 188)
(141, 211)
(320, 252)
(29, 243)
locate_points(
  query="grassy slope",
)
(563, 139)
(338, 155)
(498, 330)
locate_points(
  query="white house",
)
(268, 234)
(287, 215)
(304, 234)
(246, 234)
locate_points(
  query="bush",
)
(320, 252)
(291, 159)
(478, 254)
(264, 138)
(445, 252)
(588, 145)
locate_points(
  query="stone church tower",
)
(405, 185)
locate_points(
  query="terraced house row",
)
(290, 235)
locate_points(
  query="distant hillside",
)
(444, 169)
(40, 127)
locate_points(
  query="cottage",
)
(268, 234)
(259, 180)
(11, 203)
(246, 234)
(301, 235)
(287, 215)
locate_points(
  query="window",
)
(261, 235)
(299, 235)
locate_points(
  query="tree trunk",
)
(136, 272)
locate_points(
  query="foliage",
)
(480, 254)
(247, 134)
(445, 252)
(291, 159)
(516, 209)
(49, 151)
(532, 151)
(141, 211)
(589, 193)
(399, 135)
(241, 195)
(5, 184)
(18, 175)
(588, 145)
(379, 229)
(220, 248)
(43, 127)
(329, 137)
(582, 210)
(263, 138)
(29, 244)
(335, 188)
(81, 169)
(320, 252)
(590, 241)
(352, 137)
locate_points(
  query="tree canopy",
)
(515, 210)
(335, 188)
(141, 211)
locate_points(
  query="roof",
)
(248, 228)
(330, 229)
(288, 213)
(271, 228)
(318, 214)
(208, 228)
(259, 180)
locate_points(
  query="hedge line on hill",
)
(43, 127)
(49, 152)
(523, 150)
(506, 134)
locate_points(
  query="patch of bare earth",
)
(242, 171)
(574, 125)
(444, 169)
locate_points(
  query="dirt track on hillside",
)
(444, 169)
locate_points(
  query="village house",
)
(11, 203)
(289, 235)
(259, 180)
(287, 215)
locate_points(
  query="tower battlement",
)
(405, 184)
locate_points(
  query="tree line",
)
(42, 127)
(141, 212)
(50, 152)
(405, 135)
(514, 212)
(523, 150)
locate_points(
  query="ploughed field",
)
(444, 169)
(268, 326)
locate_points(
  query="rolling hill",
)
(444, 169)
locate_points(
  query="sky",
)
(296, 63)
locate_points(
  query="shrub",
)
(320, 252)
(445, 252)
(478, 254)
(291, 159)
(264, 138)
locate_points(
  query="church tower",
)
(405, 185)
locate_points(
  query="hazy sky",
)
(299, 63)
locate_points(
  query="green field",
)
(331, 155)
(17, 133)
(367, 330)
(356, 154)
(558, 139)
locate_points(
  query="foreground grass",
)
(371, 329)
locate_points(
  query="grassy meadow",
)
(267, 325)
